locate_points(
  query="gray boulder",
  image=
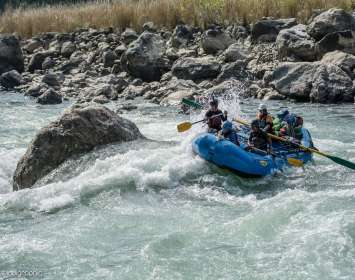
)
(229, 88)
(330, 21)
(108, 58)
(11, 57)
(239, 31)
(340, 40)
(164, 89)
(36, 90)
(316, 82)
(10, 79)
(175, 97)
(214, 41)
(117, 81)
(235, 70)
(132, 92)
(149, 26)
(37, 60)
(78, 131)
(119, 50)
(144, 57)
(190, 68)
(269, 94)
(181, 37)
(128, 36)
(53, 79)
(106, 90)
(344, 60)
(101, 99)
(67, 49)
(48, 63)
(266, 30)
(50, 97)
(32, 45)
(235, 52)
(296, 42)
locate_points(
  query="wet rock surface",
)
(11, 56)
(79, 130)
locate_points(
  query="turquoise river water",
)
(153, 210)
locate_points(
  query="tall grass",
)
(28, 21)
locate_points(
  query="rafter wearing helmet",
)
(265, 119)
(214, 116)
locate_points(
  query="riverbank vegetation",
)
(30, 20)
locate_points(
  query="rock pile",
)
(103, 65)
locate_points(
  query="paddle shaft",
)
(292, 161)
(207, 119)
(282, 139)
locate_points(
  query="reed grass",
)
(28, 21)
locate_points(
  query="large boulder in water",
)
(317, 82)
(144, 57)
(330, 21)
(11, 57)
(79, 130)
(10, 79)
(50, 97)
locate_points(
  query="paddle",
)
(292, 161)
(335, 159)
(191, 103)
(187, 125)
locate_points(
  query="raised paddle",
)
(182, 127)
(186, 125)
(191, 103)
(335, 159)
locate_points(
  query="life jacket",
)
(259, 139)
(288, 130)
(232, 136)
(264, 120)
(215, 123)
(277, 125)
(299, 121)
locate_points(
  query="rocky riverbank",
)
(271, 59)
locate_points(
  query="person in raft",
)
(215, 117)
(258, 139)
(228, 133)
(265, 119)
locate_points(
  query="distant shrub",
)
(28, 21)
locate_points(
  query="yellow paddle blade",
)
(295, 162)
(184, 126)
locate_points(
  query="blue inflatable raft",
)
(225, 154)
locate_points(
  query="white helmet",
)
(262, 107)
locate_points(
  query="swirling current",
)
(151, 209)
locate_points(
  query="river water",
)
(153, 210)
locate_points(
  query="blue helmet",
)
(291, 119)
(282, 114)
(227, 126)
